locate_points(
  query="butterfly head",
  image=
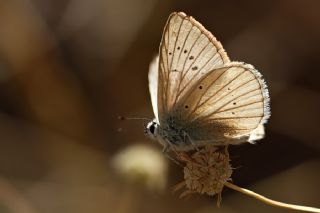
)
(151, 129)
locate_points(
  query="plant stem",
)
(271, 202)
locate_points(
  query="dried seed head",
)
(207, 170)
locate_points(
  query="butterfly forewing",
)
(153, 85)
(233, 98)
(187, 52)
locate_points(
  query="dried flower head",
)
(205, 171)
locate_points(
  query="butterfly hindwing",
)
(187, 52)
(232, 100)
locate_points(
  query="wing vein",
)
(241, 85)
(180, 92)
(185, 40)
(229, 109)
(218, 90)
(166, 75)
(173, 54)
(161, 94)
(195, 59)
(175, 44)
(226, 118)
(181, 73)
(199, 99)
(184, 64)
(228, 103)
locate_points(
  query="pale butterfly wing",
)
(256, 134)
(228, 103)
(153, 85)
(187, 52)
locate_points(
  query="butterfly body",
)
(182, 135)
(199, 96)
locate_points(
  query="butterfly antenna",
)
(122, 118)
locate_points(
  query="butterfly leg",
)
(226, 152)
(191, 141)
(166, 148)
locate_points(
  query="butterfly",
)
(200, 97)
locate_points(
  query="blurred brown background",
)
(69, 68)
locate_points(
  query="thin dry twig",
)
(270, 201)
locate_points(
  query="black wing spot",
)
(234, 103)
(185, 51)
(233, 113)
(200, 87)
(191, 57)
(170, 53)
(186, 106)
(194, 68)
(229, 89)
(178, 48)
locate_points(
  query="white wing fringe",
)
(256, 134)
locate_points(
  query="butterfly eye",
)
(151, 129)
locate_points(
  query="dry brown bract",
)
(205, 171)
